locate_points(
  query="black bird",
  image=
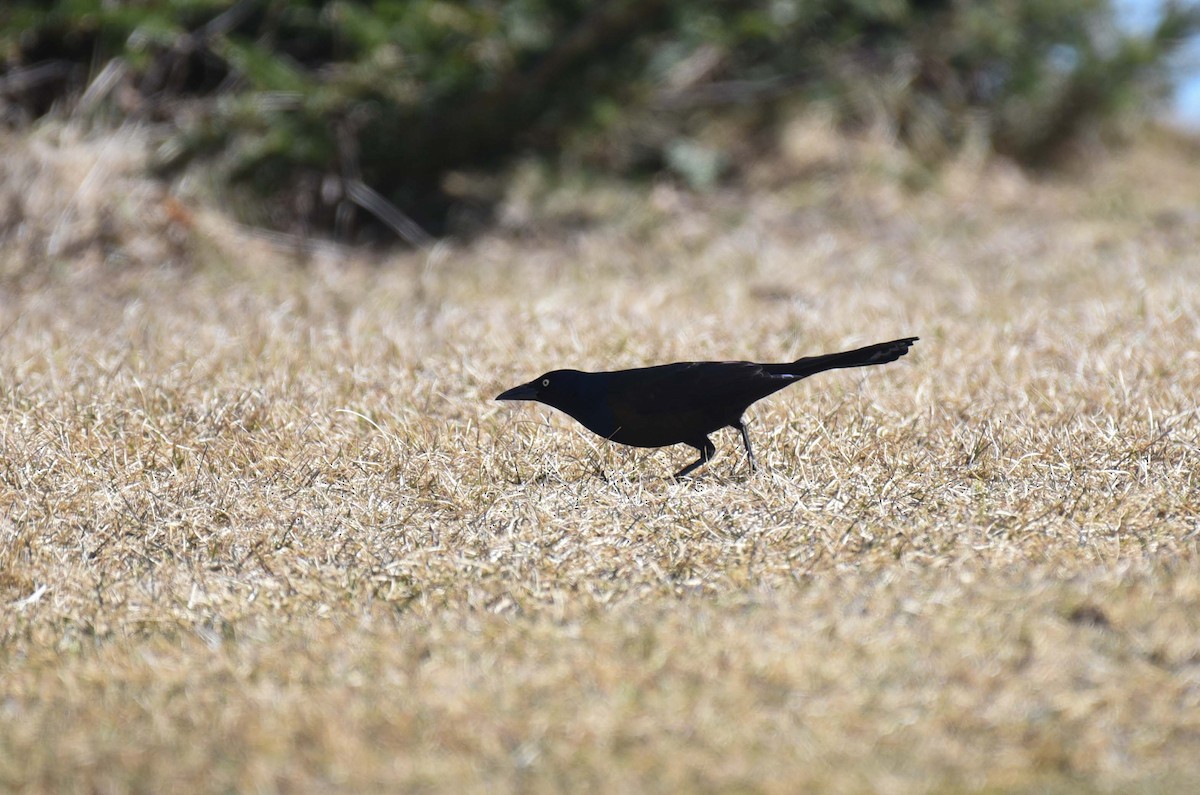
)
(683, 403)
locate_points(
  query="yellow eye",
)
(545, 382)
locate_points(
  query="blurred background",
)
(408, 121)
(1140, 17)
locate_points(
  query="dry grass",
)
(261, 527)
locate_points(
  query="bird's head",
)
(562, 389)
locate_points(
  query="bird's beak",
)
(522, 392)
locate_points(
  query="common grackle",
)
(683, 403)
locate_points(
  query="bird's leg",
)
(707, 450)
(741, 426)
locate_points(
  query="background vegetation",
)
(263, 528)
(317, 110)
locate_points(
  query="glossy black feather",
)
(682, 403)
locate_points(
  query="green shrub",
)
(317, 107)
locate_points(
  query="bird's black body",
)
(682, 403)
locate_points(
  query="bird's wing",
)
(709, 387)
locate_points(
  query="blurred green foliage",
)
(318, 107)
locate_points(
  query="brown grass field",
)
(263, 528)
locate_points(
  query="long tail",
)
(880, 353)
